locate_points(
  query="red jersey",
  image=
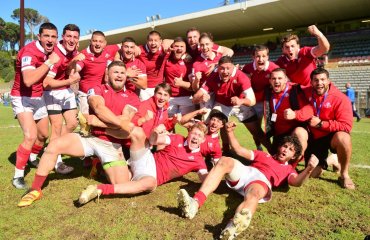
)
(211, 147)
(31, 56)
(299, 70)
(281, 101)
(174, 69)
(202, 64)
(224, 91)
(260, 80)
(154, 65)
(176, 160)
(334, 108)
(160, 116)
(132, 63)
(276, 172)
(195, 53)
(115, 101)
(58, 71)
(93, 67)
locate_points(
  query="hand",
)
(205, 97)
(314, 121)
(176, 118)
(203, 111)
(313, 30)
(74, 77)
(137, 51)
(289, 114)
(236, 101)
(178, 82)
(198, 76)
(160, 129)
(53, 58)
(79, 57)
(211, 67)
(313, 162)
(230, 126)
(149, 115)
(133, 72)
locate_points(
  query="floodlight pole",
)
(21, 21)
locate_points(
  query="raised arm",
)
(235, 145)
(323, 43)
(297, 180)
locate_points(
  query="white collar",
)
(62, 49)
(267, 64)
(192, 151)
(39, 47)
(211, 58)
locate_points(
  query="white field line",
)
(360, 166)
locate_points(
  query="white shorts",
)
(36, 105)
(82, 102)
(147, 93)
(241, 112)
(258, 108)
(106, 151)
(181, 105)
(142, 164)
(59, 100)
(247, 175)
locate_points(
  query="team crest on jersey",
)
(191, 157)
(107, 55)
(210, 145)
(124, 95)
(235, 81)
(327, 105)
(26, 61)
(92, 58)
(268, 76)
(180, 145)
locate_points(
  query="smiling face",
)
(285, 152)
(193, 39)
(291, 49)
(225, 70)
(195, 138)
(206, 45)
(214, 125)
(179, 49)
(278, 81)
(117, 77)
(97, 43)
(154, 42)
(48, 39)
(320, 83)
(128, 49)
(161, 97)
(70, 40)
(260, 58)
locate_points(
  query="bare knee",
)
(226, 164)
(341, 140)
(137, 134)
(301, 133)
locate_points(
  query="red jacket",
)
(336, 112)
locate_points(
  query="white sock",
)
(59, 161)
(18, 173)
(32, 157)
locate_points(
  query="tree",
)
(2, 26)
(12, 34)
(32, 18)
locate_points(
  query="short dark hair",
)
(206, 35)
(154, 33)
(98, 33)
(116, 63)
(260, 48)
(165, 86)
(48, 26)
(319, 70)
(292, 139)
(128, 39)
(225, 59)
(279, 70)
(179, 39)
(71, 27)
(289, 37)
(192, 29)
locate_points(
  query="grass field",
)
(318, 210)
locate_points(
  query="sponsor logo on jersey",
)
(26, 61)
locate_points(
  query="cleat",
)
(30, 197)
(84, 126)
(188, 205)
(64, 169)
(19, 183)
(90, 193)
(238, 224)
(259, 148)
(34, 163)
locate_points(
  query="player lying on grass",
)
(107, 101)
(253, 182)
(179, 156)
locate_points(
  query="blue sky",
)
(107, 14)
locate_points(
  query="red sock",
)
(38, 181)
(107, 189)
(36, 149)
(200, 197)
(22, 156)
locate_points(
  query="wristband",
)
(48, 63)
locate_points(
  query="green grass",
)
(318, 210)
